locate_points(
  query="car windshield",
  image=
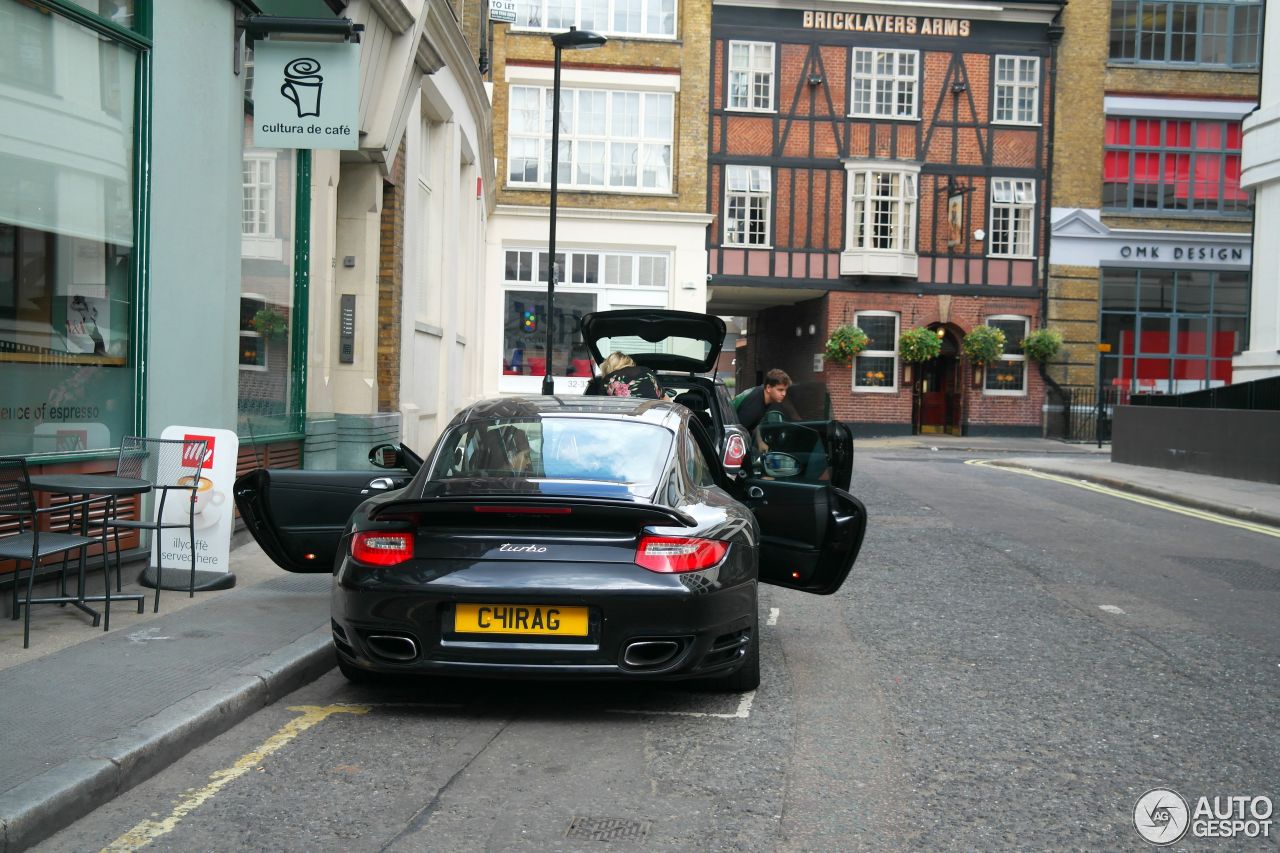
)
(556, 448)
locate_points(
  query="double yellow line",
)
(1201, 514)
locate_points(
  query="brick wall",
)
(957, 313)
(390, 283)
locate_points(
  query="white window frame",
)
(746, 199)
(1019, 205)
(862, 204)
(259, 241)
(534, 16)
(753, 76)
(611, 139)
(1012, 357)
(895, 81)
(1013, 88)
(891, 388)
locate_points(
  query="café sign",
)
(306, 94)
(901, 24)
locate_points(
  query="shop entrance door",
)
(940, 391)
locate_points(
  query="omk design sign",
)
(306, 94)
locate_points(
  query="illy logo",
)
(525, 549)
(191, 452)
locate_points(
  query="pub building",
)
(889, 171)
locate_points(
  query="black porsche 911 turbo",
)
(564, 537)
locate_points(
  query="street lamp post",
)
(574, 39)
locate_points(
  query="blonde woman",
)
(624, 378)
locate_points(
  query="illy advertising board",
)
(306, 94)
(211, 512)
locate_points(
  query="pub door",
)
(940, 391)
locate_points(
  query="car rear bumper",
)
(661, 627)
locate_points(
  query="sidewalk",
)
(88, 714)
(1243, 499)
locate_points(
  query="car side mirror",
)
(385, 456)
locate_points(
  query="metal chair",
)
(170, 465)
(31, 544)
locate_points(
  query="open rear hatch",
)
(659, 339)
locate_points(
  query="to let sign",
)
(502, 10)
(306, 95)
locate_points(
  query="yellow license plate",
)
(520, 619)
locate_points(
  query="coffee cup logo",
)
(302, 85)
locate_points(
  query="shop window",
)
(1008, 375)
(751, 76)
(268, 403)
(875, 369)
(1173, 165)
(66, 233)
(649, 18)
(748, 192)
(1179, 33)
(881, 231)
(597, 281)
(524, 348)
(1013, 207)
(884, 83)
(609, 140)
(1172, 331)
(1017, 90)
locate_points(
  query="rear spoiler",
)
(527, 510)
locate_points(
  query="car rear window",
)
(555, 448)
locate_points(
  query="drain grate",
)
(607, 829)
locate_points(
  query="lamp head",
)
(576, 39)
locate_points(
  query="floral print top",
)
(632, 381)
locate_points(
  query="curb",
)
(1243, 513)
(39, 807)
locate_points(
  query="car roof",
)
(660, 412)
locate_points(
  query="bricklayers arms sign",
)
(903, 24)
(306, 94)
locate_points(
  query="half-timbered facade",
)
(887, 170)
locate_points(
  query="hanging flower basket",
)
(919, 344)
(1042, 344)
(845, 343)
(983, 344)
(270, 323)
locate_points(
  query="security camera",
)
(709, 276)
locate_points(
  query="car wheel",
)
(747, 676)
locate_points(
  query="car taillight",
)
(382, 548)
(678, 553)
(735, 451)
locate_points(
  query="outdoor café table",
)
(95, 485)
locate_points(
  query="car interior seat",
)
(696, 401)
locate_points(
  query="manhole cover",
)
(607, 829)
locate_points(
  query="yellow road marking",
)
(149, 830)
(1203, 515)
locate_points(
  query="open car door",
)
(811, 531)
(297, 516)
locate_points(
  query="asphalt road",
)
(1012, 664)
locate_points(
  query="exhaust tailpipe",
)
(392, 647)
(650, 653)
